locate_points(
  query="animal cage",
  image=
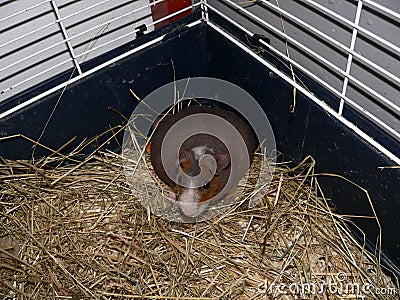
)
(325, 72)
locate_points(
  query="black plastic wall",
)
(89, 108)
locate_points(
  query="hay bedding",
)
(76, 231)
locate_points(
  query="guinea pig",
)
(194, 191)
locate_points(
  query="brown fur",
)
(214, 146)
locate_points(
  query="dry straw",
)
(74, 229)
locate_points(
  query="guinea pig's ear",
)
(223, 161)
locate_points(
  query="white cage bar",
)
(7, 87)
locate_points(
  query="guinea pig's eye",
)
(207, 185)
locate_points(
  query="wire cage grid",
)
(49, 37)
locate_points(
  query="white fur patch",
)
(189, 202)
(200, 151)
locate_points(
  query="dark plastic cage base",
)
(96, 103)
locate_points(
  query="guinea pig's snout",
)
(190, 204)
(192, 210)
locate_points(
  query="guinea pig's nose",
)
(191, 212)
